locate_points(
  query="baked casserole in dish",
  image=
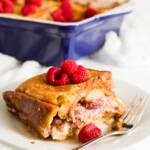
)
(50, 31)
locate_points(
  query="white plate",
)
(14, 133)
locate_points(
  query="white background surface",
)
(132, 48)
(128, 58)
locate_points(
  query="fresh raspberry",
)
(69, 66)
(89, 132)
(80, 75)
(63, 80)
(67, 10)
(28, 9)
(7, 6)
(90, 12)
(1, 7)
(51, 74)
(56, 77)
(34, 2)
(58, 15)
(14, 1)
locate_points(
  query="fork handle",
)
(98, 139)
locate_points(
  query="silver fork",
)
(130, 121)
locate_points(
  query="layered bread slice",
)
(61, 111)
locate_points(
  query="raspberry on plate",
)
(69, 72)
(62, 80)
(69, 66)
(80, 75)
(89, 132)
(56, 77)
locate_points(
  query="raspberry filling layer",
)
(85, 111)
(90, 110)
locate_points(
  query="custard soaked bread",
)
(61, 111)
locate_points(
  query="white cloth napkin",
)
(12, 71)
(132, 48)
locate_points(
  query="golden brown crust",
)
(65, 96)
(39, 115)
(39, 88)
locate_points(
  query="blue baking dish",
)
(50, 43)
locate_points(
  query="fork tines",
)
(135, 111)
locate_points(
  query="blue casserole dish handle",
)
(90, 37)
